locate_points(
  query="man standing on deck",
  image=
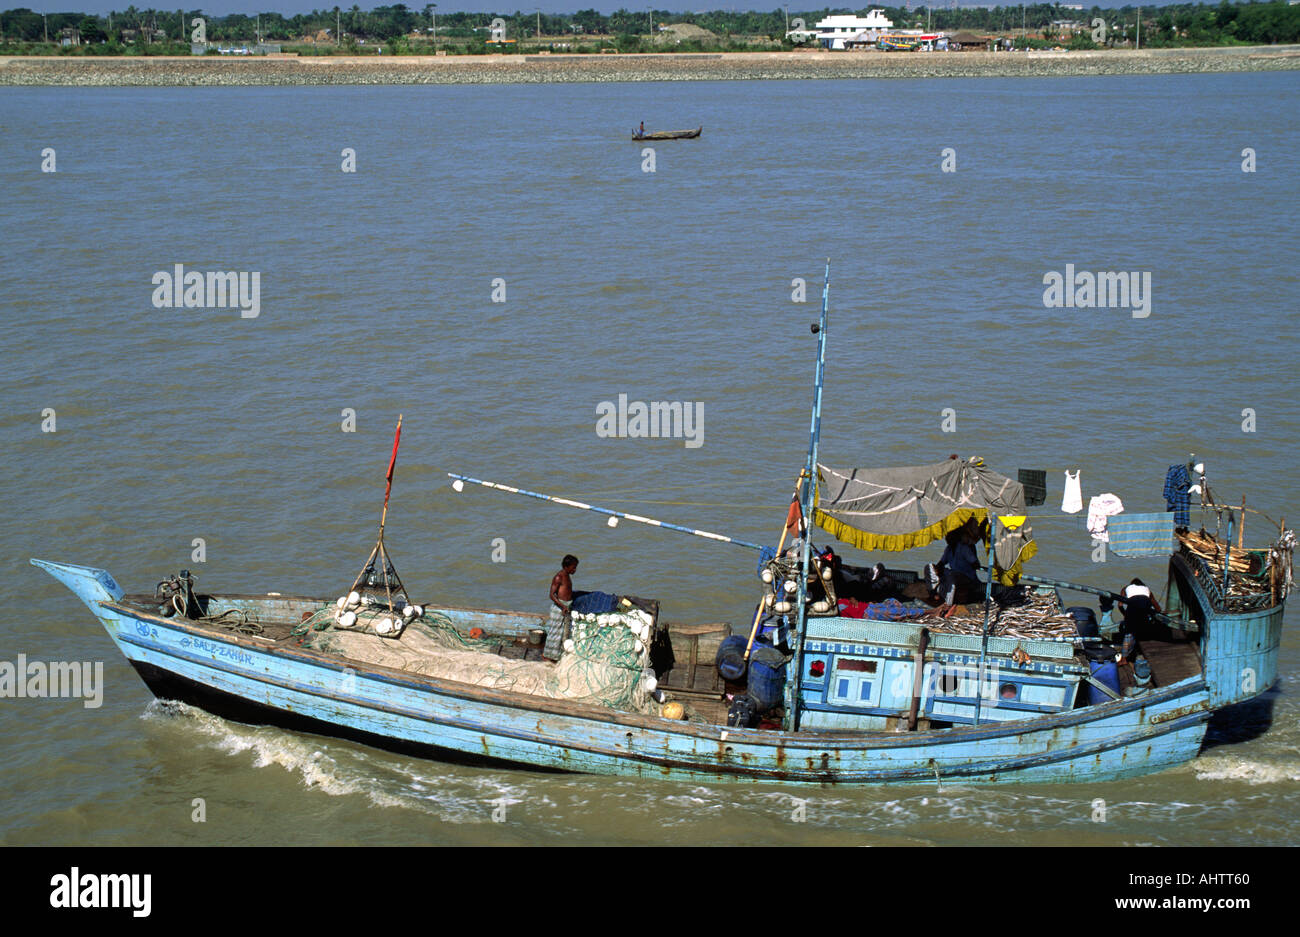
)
(1138, 605)
(562, 584)
(561, 598)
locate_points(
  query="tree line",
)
(1224, 23)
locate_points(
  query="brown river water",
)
(376, 297)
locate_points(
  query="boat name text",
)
(218, 650)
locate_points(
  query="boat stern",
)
(1239, 645)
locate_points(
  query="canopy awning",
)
(900, 508)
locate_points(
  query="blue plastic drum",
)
(1108, 673)
(767, 677)
(730, 660)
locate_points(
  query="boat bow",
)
(87, 583)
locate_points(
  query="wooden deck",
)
(1171, 661)
(694, 680)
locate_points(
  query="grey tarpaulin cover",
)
(900, 508)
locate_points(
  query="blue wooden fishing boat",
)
(849, 700)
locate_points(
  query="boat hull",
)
(259, 680)
(667, 135)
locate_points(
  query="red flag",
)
(793, 520)
(397, 438)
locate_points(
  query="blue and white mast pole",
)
(806, 499)
(459, 483)
(988, 607)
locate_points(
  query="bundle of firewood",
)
(1212, 550)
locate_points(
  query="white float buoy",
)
(826, 572)
(458, 485)
(790, 586)
(347, 619)
(765, 575)
(342, 603)
(354, 598)
(408, 611)
(568, 644)
(613, 521)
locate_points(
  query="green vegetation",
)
(400, 30)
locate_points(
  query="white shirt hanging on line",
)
(1100, 508)
(1072, 503)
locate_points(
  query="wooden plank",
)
(698, 629)
(695, 658)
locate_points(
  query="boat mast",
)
(379, 553)
(807, 497)
(988, 606)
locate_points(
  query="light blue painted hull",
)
(1116, 739)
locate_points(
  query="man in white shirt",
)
(1138, 605)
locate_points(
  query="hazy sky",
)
(290, 7)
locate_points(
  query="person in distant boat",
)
(1139, 607)
(641, 132)
(562, 584)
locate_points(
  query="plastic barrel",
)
(767, 677)
(731, 658)
(1108, 673)
(1085, 620)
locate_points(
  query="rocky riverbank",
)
(497, 69)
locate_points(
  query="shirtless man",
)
(562, 584)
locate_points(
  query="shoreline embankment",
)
(163, 71)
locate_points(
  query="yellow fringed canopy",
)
(896, 509)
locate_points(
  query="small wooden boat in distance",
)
(668, 134)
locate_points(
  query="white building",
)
(834, 30)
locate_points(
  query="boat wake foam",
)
(323, 765)
(1252, 772)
